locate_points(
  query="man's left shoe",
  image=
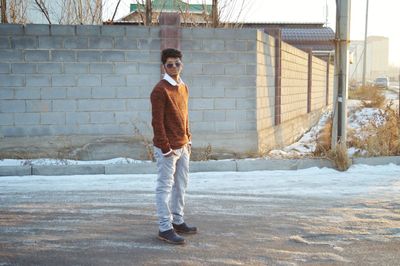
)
(184, 228)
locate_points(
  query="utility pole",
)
(326, 13)
(148, 13)
(365, 45)
(4, 11)
(342, 38)
(215, 19)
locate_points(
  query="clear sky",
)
(384, 15)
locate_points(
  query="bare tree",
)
(4, 11)
(141, 12)
(95, 11)
(17, 11)
(231, 11)
(149, 13)
(42, 7)
(66, 16)
(79, 11)
(215, 17)
(115, 11)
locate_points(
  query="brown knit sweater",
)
(170, 116)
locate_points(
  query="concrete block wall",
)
(265, 88)
(91, 85)
(318, 91)
(294, 82)
(76, 80)
(220, 68)
(331, 84)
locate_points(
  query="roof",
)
(317, 39)
(321, 34)
(297, 25)
(173, 5)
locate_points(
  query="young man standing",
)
(172, 147)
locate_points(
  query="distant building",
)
(377, 64)
(191, 14)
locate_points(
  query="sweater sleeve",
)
(158, 106)
(189, 135)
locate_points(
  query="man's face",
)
(173, 66)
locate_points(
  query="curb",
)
(244, 165)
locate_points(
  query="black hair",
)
(170, 52)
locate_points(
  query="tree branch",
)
(43, 8)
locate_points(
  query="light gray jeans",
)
(173, 172)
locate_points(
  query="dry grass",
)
(339, 157)
(382, 139)
(370, 96)
(146, 142)
(205, 153)
(324, 139)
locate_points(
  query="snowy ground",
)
(304, 217)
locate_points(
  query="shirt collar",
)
(172, 81)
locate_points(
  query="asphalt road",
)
(303, 217)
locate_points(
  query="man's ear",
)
(162, 69)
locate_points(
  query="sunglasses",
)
(176, 64)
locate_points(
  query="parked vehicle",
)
(382, 82)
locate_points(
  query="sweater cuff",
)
(166, 149)
(168, 153)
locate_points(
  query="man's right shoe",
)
(171, 237)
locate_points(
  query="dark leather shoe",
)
(184, 228)
(171, 237)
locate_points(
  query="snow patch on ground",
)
(48, 161)
(307, 143)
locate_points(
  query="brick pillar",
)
(170, 30)
(309, 86)
(277, 34)
(327, 83)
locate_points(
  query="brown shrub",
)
(339, 157)
(324, 139)
(382, 139)
(370, 96)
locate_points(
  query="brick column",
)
(309, 86)
(170, 30)
(327, 83)
(276, 33)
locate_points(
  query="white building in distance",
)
(377, 58)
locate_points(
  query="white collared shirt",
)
(172, 81)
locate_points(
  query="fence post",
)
(309, 83)
(277, 34)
